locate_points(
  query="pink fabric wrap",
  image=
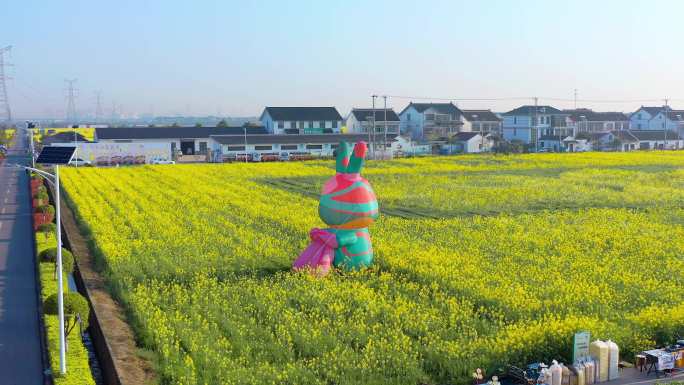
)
(320, 254)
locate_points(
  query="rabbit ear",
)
(343, 152)
(357, 157)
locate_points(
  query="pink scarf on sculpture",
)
(320, 253)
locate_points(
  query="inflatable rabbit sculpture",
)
(348, 205)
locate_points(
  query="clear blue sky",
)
(234, 57)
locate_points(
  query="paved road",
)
(20, 348)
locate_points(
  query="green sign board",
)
(580, 348)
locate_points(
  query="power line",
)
(5, 111)
(601, 100)
(531, 98)
(461, 98)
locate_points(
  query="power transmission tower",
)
(5, 111)
(98, 105)
(71, 101)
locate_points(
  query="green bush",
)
(75, 305)
(46, 209)
(47, 228)
(41, 194)
(50, 255)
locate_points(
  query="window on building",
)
(281, 124)
(314, 146)
(334, 124)
(263, 148)
(288, 146)
(515, 132)
(293, 124)
(408, 116)
(334, 146)
(639, 126)
(429, 117)
(311, 124)
(515, 120)
(639, 116)
(663, 124)
(203, 147)
(236, 148)
(306, 124)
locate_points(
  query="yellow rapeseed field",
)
(480, 261)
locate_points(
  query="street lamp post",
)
(56, 156)
(54, 181)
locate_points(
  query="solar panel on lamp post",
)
(56, 156)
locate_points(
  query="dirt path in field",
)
(125, 367)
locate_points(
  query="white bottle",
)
(556, 373)
(613, 360)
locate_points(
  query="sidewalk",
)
(20, 348)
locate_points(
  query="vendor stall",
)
(664, 360)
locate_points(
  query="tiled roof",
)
(121, 133)
(442, 108)
(528, 110)
(363, 114)
(465, 136)
(594, 116)
(303, 113)
(624, 136)
(480, 116)
(654, 134)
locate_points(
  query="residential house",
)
(642, 118)
(403, 145)
(482, 121)
(430, 120)
(301, 120)
(529, 123)
(361, 120)
(553, 143)
(658, 139)
(616, 141)
(572, 144)
(668, 119)
(188, 141)
(587, 120)
(232, 146)
(468, 143)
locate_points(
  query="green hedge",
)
(50, 255)
(78, 369)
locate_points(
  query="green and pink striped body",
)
(348, 205)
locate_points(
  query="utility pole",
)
(534, 124)
(384, 145)
(5, 111)
(245, 128)
(71, 101)
(372, 137)
(98, 106)
(666, 113)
